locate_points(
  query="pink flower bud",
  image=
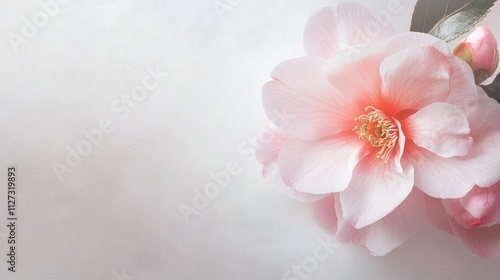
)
(479, 208)
(479, 50)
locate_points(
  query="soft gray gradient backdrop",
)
(116, 214)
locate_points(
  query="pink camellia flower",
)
(376, 122)
(480, 51)
(474, 218)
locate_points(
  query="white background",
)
(116, 215)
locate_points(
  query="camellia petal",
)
(465, 95)
(303, 102)
(484, 153)
(388, 233)
(401, 148)
(436, 214)
(411, 40)
(454, 177)
(464, 218)
(483, 202)
(357, 77)
(267, 152)
(441, 177)
(272, 174)
(483, 241)
(320, 167)
(376, 189)
(268, 148)
(479, 208)
(428, 82)
(330, 31)
(325, 213)
(473, 219)
(440, 128)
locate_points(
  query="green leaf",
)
(493, 89)
(448, 19)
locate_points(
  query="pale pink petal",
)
(388, 233)
(428, 82)
(272, 174)
(481, 238)
(486, 149)
(325, 213)
(465, 95)
(412, 40)
(303, 102)
(330, 31)
(483, 202)
(400, 148)
(376, 189)
(491, 112)
(436, 214)
(440, 128)
(454, 177)
(266, 153)
(479, 208)
(305, 75)
(320, 167)
(460, 214)
(357, 76)
(269, 145)
(443, 177)
(483, 241)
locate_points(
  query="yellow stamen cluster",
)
(379, 130)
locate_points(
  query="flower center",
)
(379, 129)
